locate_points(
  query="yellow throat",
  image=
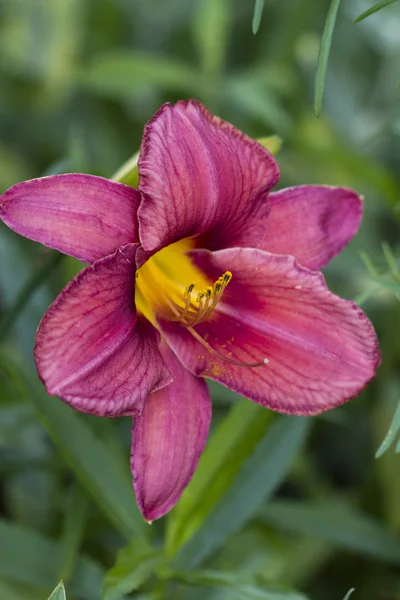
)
(170, 286)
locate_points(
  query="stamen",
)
(211, 350)
(203, 299)
(206, 300)
(188, 290)
(187, 305)
(203, 307)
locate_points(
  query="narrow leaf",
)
(88, 457)
(237, 582)
(253, 484)
(135, 565)
(58, 593)
(258, 10)
(73, 530)
(324, 50)
(258, 101)
(273, 143)
(336, 523)
(229, 446)
(211, 32)
(29, 558)
(121, 74)
(374, 9)
(391, 260)
(394, 429)
(129, 173)
(37, 278)
(349, 593)
(9, 590)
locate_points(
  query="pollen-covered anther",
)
(199, 308)
(196, 311)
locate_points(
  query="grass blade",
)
(29, 558)
(37, 278)
(230, 445)
(393, 430)
(120, 74)
(374, 9)
(134, 566)
(93, 464)
(349, 593)
(236, 583)
(258, 10)
(256, 481)
(336, 523)
(58, 593)
(324, 50)
(211, 34)
(73, 530)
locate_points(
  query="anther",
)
(189, 290)
(206, 300)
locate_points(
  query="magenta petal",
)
(322, 350)
(168, 438)
(199, 175)
(92, 350)
(311, 222)
(84, 216)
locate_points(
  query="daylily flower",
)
(200, 272)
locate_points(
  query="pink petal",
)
(311, 222)
(167, 440)
(322, 350)
(92, 350)
(81, 215)
(199, 175)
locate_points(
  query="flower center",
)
(170, 286)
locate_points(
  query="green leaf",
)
(324, 50)
(339, 524)
(211, 33)
(15, 591)
(121, 74)
(134, 566)
(258, 10)
(391, 261)
(374, 9)
(241, 586)
(273, 143)
(349, 593)
(253, 484)
(394, 429)
(73, 530)
(58, 593)
(29, 558)
(259, 102)
(128, 173)
(14, 269)
(88, 457)
(36, 279)
(229, 446)
(41, 40)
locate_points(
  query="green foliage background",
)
(278, 504)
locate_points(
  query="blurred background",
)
(280, 508)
